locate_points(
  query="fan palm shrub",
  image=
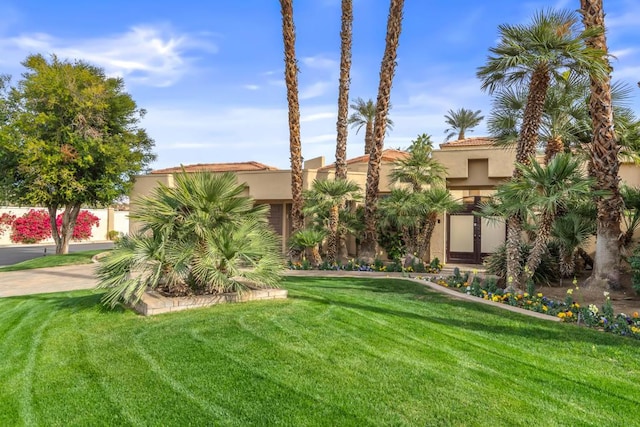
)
(201, 236)
(307, 241)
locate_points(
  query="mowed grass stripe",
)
(337, 352)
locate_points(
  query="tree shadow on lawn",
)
(87, 300)
(537, 328)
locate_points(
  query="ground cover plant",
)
(339, 351)
(82, 257)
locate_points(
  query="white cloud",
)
(319, 138)
(320, 62)
(631, 18)
(145, 54)
(620, 53)
(318, 116)
(315, 90)
(251, 87)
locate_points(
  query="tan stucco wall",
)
(499, 163)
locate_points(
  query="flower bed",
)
(396, 266)
(568, 310)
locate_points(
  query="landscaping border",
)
(153, 302)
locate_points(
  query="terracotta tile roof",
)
(218, 167)
(388, 155)
(469, 142)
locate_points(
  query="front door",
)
(470, 238)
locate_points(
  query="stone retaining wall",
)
(155, 303)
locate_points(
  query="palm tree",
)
(387, 71)
(364, 115)
(604, 154)
(461, 121)
(566, 124)
(199, 237)
(631, 213)
(343, 93)
(548, 190)
(307, 240)
(536, 53)
(402, 210)
(435, 201)
(328, 196)
(571, 232)
(291, 79)
(419, 169)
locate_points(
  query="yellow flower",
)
(526, 294)
(539, 294)
(544, 308)
(569, 291)
(635, 315)
(635, 330)
(569, 313)
(575, 282)
(561, 315)
(495, 298)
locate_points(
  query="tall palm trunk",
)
(605, 165)
(424, 252)
(555, 145)
(540, 243)
(291, 79)
(368, 137)
(332, 240)
(387, 70)
(526, 149)
(343, 92)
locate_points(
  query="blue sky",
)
(210, 74)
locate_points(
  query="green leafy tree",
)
(461, 121)
(199, 237)
(70, 138)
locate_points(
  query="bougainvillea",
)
(31, 227)
(34, 226)
(85, 222)
(6, 221)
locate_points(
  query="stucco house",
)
(474, 168)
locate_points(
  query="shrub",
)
(32, 227)
(114, 235)
(634, 262)
(496, 264)
(6, 222)
(200, 237)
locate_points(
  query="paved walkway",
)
(44, 280)
(75, 277)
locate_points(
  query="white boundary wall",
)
(109, 220)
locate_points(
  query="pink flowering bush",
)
(31, 227)
(6, 221)
(34, 226)
(85, 222)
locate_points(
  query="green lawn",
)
(337, 352)
(83, 257)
